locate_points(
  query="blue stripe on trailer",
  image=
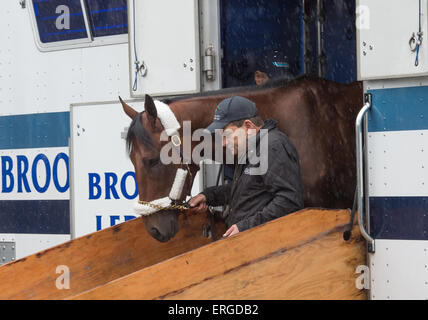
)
(398, 109)
(41, 130)
(399, 218)
(35, 216)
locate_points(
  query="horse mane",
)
(274, 83)
(137, 130)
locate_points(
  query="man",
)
(253, 199)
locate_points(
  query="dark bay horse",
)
(317, 115)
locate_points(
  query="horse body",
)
(316, 114)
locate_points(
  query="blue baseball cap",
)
(275, 65)
(232, 109)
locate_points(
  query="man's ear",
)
(260, 77)
(249, 125)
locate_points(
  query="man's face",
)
(260, 78)
(235, 138)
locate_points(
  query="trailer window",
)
(59, 20)
(64, 24)
(107, 17)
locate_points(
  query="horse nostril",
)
(155, 232)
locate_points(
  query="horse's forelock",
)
(137, 130)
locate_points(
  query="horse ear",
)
(149, 106)
(128, 110)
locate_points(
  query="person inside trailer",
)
(261, 190)
(274, 66)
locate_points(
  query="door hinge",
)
(209, 63)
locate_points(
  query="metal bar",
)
(302, 38)
(86, 19)
(320, 40)
(71, 174)
(360, 172)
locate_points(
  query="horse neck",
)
(200, 112)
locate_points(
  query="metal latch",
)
(7, 252)
(209, 63)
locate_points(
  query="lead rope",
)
(138, 68)
(420, 37)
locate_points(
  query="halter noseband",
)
(171, 126)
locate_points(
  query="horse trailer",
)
(64, 169)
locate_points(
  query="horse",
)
(316, 114)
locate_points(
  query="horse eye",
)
(151, 162)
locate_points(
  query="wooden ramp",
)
(97, 259)
(300, 256)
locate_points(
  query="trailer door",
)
(392, 161)
(163, 47)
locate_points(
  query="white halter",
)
(171, 127)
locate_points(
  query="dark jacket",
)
(254, 199)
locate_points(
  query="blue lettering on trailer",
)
(22, 174)
(111, 186)
(63, 157)
(113, 219)
(22, 179)
(7, 165)
(34, 173)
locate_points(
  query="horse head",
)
(154, 179)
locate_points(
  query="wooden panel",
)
(97, 258)
(314, 271)
(300, 256)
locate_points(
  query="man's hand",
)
(231, 231)
(198, 203)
